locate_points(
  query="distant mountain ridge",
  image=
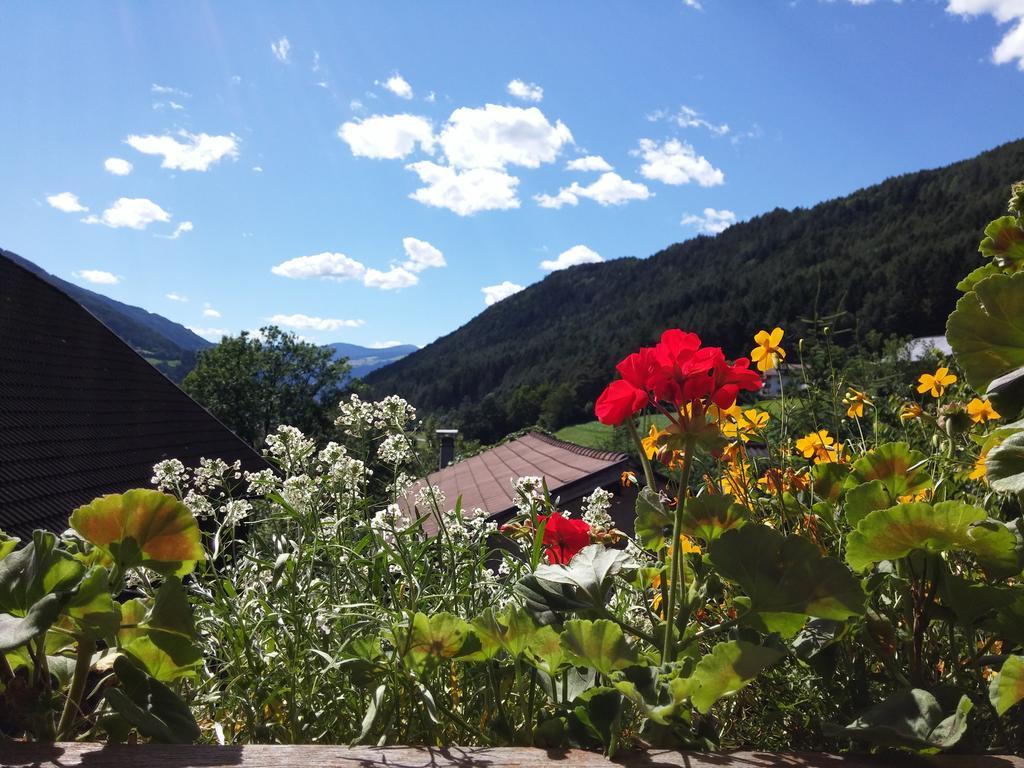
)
(366, 359)
(889, 256)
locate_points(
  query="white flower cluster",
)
(169, 475)
(528, 490)
(355, 417)
(395, 449)
(263, 482)
(595, 509)
(388, 522)
(291, 449)
(430, 497)
(215, 474)
(359, 418)
(235, 511)
(393, 412)
(344, 474)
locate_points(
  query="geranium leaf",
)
(911, 719)
(165, 656)
(1004, 243)
(596, 709)
(16, 631)
(1007, 688)
(728, 668)
(583, 583)
(986, 332)
(150, 706)
(171, 610)
(92, 606)
(866, 498)
(142, 527)
(598, 644)
(441, 636)
(708, 516)
(653, 524)
(37, 569)
(786, 578)
(972, 601)
(1004, 465)
(828, 479)
(7, 544)
(976, 276)
(545, 650)
(895, 465)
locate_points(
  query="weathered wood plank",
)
(257, 756)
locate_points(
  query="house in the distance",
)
(572, 472)
(81, 413)
(788, 378)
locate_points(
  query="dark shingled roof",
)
(81, 413)
(485, 480)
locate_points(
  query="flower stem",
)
(648, 472)
(678, 556)
(66, 727)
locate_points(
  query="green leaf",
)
(828, 480)
(1007, 688)
(150, 706)
(911, 719)
(142, 527)
(976, 276)
(37, 569)
(15, 631)
(786, 575)
(598, 644)
(165, 656)
(708, 516)
(92, 607)
(890, 534)
(583, 584)
(545, 651)
(972, 602)
(1004, 243)
(653, 523)
(727, 669)
(171, 610)
(986, 332)
(597, 710)
(441, 636)
(896, 466)
(1004, 465)
(7, 544)
(866, 498)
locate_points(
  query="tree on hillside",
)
(254, 382)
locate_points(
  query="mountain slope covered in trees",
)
(887, 256)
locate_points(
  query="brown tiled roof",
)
(485, 480)
(81, 413)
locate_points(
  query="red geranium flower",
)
(564, 537)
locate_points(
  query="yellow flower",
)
(935, 383)
(741, 424)
(923, 495)
(650, 443)
(911, 411)
(813, 444)
(768, 354)
(627, 478)
(855, 401)
(981, 411)
(979, 471)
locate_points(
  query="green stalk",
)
(72, 706)
(678, 556)
(644, 461)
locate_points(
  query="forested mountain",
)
(366, 359)
(889, 256)
(168, 345)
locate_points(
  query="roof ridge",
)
(593, 453)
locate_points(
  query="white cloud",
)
(384, 344)
(609, 189)
(464, 192)
(97, 276)
(398, 86)
(332, 266)
(1011, 46)
(66, 202)
(387, 137)
(305, 322)
(209, 311)
(525, 91)
(421, 255)
(167, 89)
(355, 105)
(257, 169)
(117, 166)
(394, 279)
(578, 254)
(131, 212)
(675, 162)
(175, 296)
(280, 49)
(495, 293)
(198, 153)
(213, 334)
(494, 136)
(185, 226)
(712, 222)
(430, 98)
(588, 163)
(695, 4)
(688, 117)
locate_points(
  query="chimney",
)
(446, 455)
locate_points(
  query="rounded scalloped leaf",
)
(895, 465)
(1004, 243)
(889, 534)
(599, 644)
(1007, 688)
(728, 668)
(441, 636)
(1004, 465)
(142, 526)
(986, 332)
(708, 516)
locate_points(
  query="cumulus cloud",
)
(130, 212)
(117, 166)
(712, 222)
(495, 293)
(1011, 46)
(305, 322)
(183, 227)
(98, 276)
(387, 137)
(525, 91)
(398, 86)
(331, 266)
(175, 296)
(578, 254)
(281, 49)
(464, 192)
(421, 255)
(609, 189)
(198, 152)
(67, 202)
(695, 4)
(588, 163)
(494, 136)
(394, 279)
(209, 311)
(675, 162)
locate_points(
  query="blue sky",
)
(361, 172)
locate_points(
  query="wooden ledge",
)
(93, 755)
